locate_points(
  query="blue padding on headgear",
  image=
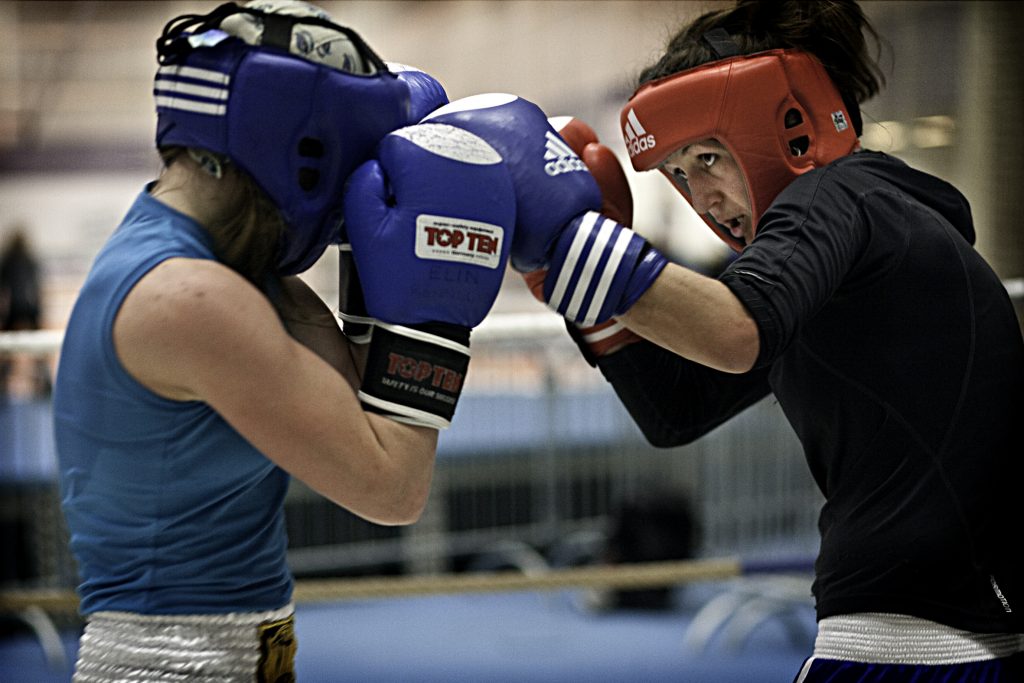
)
(298, 128)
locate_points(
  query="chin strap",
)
(721, 43)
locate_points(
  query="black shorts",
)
(1003, 670)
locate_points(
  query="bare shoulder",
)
(186, 314)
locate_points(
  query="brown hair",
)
(832, 30)
(248, 240)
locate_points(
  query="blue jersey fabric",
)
(170, 510)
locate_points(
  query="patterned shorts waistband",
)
(200, 648)
(880, 638)
(228, 618)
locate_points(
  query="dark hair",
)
(832, 30)
(248, 240)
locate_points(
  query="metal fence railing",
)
(540, 459)
(538, 465)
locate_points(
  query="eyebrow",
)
(685, 148)
(708, 141)
(681, 151)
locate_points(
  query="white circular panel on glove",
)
(450, 142)
(483, 101)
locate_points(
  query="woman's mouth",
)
(735, 227)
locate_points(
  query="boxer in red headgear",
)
(778, 116)
(858, 300)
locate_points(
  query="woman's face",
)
(717, 186)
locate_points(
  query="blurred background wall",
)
(542, 458)
(76, 114)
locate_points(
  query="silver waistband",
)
(128, 647)
(880, 638)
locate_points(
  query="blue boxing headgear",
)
(297, 127)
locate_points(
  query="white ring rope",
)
(505, 326)
(623, 576)
(496, 327)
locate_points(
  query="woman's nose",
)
(703, 194)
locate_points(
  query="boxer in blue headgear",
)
(198, 375)
(296, 101)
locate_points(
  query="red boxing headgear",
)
(777, 112)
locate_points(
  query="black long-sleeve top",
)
(896, 355)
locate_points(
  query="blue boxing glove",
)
(597, 268)
(425, 92)
(552, 184)
(430, 221)
(425, 95)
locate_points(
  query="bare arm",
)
(696, 317)
(313, 325)
(195, 330)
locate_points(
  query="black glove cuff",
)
(577, 336)
(356, 322)
(414, 373)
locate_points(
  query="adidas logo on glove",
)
(561, 157)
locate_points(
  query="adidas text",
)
(640, 145)
(564, 165)
(638, 140)
(560, 157)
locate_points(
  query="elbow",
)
(400, 508)
(388, 494)
(662, 439)
(661, 435)
(401, 500)
(406, 511)
(402, 514)
(740, 350)
(738, 364)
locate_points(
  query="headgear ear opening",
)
(777, 112)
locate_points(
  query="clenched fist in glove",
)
(616, 203)
(431, 221)
(425, 95)
(597, 267)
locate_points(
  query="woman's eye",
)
(709, 158)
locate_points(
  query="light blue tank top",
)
(170, 510)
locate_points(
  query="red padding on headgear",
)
(742, 102)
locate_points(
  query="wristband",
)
(602, 339)
(414, 373)
(598, 269)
